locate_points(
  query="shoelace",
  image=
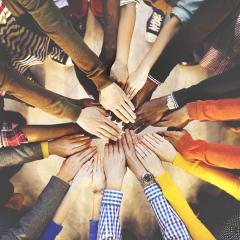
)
(155, 22)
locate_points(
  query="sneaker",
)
(154, 25)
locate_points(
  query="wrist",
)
(115, 185)
(63, 177)
(51, 148)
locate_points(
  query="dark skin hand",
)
(150, 113)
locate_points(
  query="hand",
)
(160, 146)
(135, 82)
(69, 145)
(149, 160)
(114, 99)
(150, 113)
(119, 73)
(98, 174)
(86, 102)
(94, 120)
(84, 177)
(72, 165)
(174, 137)
(129, 140)
(114, 165)
(178, 118)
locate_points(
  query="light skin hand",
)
(174, 137)
(98, 174)
(114, 166)
(149, 160)
(72, 165)
(69, 145)
(94, 120)
(119, 73)
(160, 146)
(179, 118)
(114, 99)
(129, 140)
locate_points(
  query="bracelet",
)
(45, 149)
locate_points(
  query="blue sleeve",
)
(51, 231)
(93, 229)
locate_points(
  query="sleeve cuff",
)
(153, 191)
(112, 197)
(93, 228)
(181, 13)
(153, 79)
(45, 149)
(53, 229)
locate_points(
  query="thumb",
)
(104, 112)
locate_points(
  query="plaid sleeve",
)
(170, 224)
(11, 135)
(109, 222)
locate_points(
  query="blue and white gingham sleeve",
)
(170, 224)
(109, 222)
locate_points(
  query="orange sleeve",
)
(218, 155)
(215, 110)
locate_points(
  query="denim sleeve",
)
(51, 231)
(93, 229)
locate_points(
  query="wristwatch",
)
(171, 102)
(147, 179)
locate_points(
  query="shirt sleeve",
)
(218, 155)
(178, 202)
(109, 223)
(215, 110)
(185, 9)
(51, 231)
(169, 222)
(218, 177)
(93, 229)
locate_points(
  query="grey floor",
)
(136, 214)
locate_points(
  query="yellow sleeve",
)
(176, 199)
(220, 178)
(45, 149)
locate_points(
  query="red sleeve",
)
(218, 155)
(215, 110)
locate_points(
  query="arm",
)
(220, 178)
(119, 71)
(218, 155)
(36, 133)
(111, 13)
(178, 202)
(32, 224)
(169, 222)
(218, 110)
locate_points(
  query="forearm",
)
(125, 32)
(20, 155)
(97, 201)
(220, 178)
(37, 133)
(178, 202)
(33, 223)
(214, 110)
(111, 12)
(169, 30)
(225, 85)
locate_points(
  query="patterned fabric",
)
(221, 51)
(11, 135)
(169, 222)
(109, 222)
(25, 47)
(231, 228)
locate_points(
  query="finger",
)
(163, 124)
(140, 151)
(145, 149)
(80, 143)
(80, 148)
(126, 114)
(158, 137)
(79, 137)
(134, 137)
(149, 145)
(104, 112)
(72, 136)
(102, 136)
(133, 94)
(141, 128)
(120, 116)
(120, 147)
(124, 143)
(115, 149)
(140, 158)
(114, 128)
(111, 150)
(129, 103)
(95, 165)
(129, 110)
(106, 154)
(151, 140)
(129, 139)
(109, 132)
(87, 152)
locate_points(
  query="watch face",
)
(147, 177)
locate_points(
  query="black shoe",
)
(154, 25)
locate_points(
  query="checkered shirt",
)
(109, 222)
(11, 135)
(170, 224)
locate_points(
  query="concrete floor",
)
(136, 214)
